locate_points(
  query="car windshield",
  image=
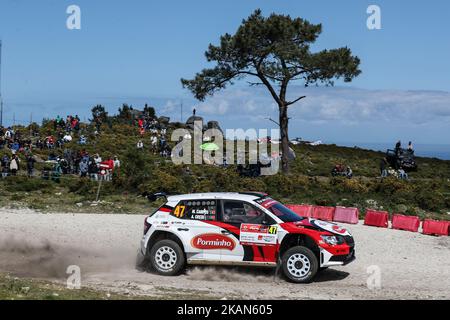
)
(284, 213)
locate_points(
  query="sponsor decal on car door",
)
(257, 234)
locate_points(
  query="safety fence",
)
(373, 218)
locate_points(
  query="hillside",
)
(427, 193)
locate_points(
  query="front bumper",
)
(329, 260)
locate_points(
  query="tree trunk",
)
(284, 125)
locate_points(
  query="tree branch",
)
(255, 83)
(266, 82)
(296, 100)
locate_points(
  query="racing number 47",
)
(179, 211)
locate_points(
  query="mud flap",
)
(142, 264)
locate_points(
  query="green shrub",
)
(25, 184)
(430, 200)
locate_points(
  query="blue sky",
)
(136, 52)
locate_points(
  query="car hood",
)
(323, 226)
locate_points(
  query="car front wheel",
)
(299, 264)
(167, 258)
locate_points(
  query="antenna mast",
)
(1, 99)
(181, 111)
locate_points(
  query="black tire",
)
(167, 249)
(299, 265)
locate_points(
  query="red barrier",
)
(436, 228)
(407, 223)
(346, 215)
(303, 210)
(377, 218)
(323, 213)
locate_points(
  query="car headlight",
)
(331, 240)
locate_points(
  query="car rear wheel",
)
(299, 264)
(167, 257)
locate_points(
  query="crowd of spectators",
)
(158, 136)
(67, 162)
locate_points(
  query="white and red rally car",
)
(241, 229)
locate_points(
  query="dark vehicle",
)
(250, 170)
(402, 158)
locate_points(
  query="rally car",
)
(242, 229)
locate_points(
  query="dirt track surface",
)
(412, 266)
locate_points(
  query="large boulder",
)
(214, 125)
(164, 120)
(190, 122)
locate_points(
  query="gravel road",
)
(410, 265)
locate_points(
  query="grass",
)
(12, 288)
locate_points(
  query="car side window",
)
(203, 210)
(243, 212)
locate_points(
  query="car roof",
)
(246, 196)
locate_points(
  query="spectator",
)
(67, 138)
(383, 168)
(15, 147)
(402, 174)
(84, 167)
(5, 166)
(82, 141)
(14, 165)
(98, 160)
(349, 173)
(30, 165)
(398, 146)
(410, 147)
(109, 169)
(154, 144)
(93, 170)
(50, 142)
(116, 162)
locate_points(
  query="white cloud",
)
(332, 104)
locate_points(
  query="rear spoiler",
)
(154, 196)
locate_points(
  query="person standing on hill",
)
(93, 170)
(5, 166)
(116, 163)
(97, 159)
(84, 168)
(30, 165)
(383, 168)
(402, 174)
(14, 165)
(398, 146)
